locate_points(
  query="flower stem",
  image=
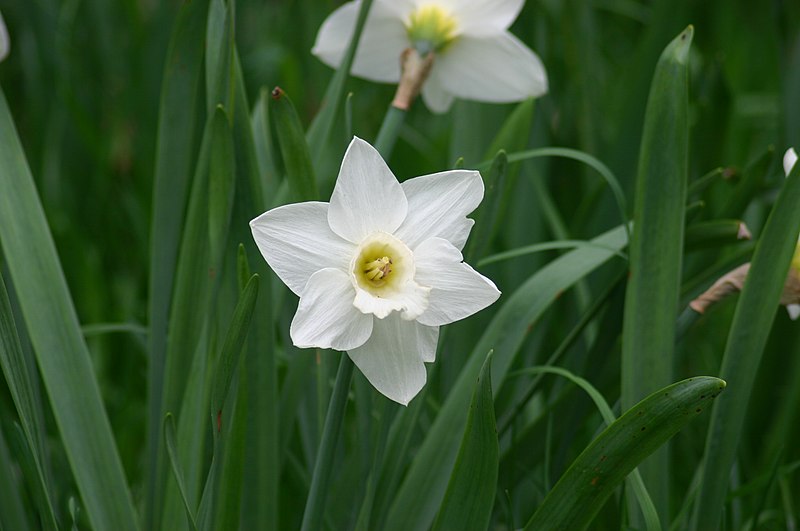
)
(387, 136)
(315, 505)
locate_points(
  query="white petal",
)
(482, 17)
(794, 311)
(438, 205)
(383, 39)
(436, 98)
(411, 301)
(392, 358)
(367, 197)
(789, 159)
(5, 43)
(496, 68)
(326, 317)
(457, 290)
(296, 242)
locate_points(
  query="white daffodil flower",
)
(789, 160)
(5, 43)
(379, 268)
(476, 58)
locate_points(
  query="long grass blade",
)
(21, 383)
(651, 302)
(59, 346)
(593, 476)
(421, 493)
(175, 151)
(748, 335)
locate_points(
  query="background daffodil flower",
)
(793, 283)
(5, 42)
(379, 268)
(734, 280)
(476, 58)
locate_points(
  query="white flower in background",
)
(379, 268)
(5, 43)
(476, 58)
(789, 160)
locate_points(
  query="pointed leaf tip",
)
(678, 49)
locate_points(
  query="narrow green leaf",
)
(20, 378)
(488, 214)
(175, 145)
(314, 513)
(12, 513)
(221, 185)
(172, 452)
(192, 437)
(265, 147)
(58, 344)
(548, 246)
(573, 154)
(516, 130)
(390, 128)
(699, 185)
(753, 177)
(243, 273)
(232, 346)
(635, 479)
(294, 150)
(421, 492)
(26, 460)
(600, 468)
(228, 501)
(320, 130)
(651, 301)
(219, 54)
(222, 461)
(194, 280)
(748, 335)
(714, 233)
(469, 498)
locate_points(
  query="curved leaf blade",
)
(470, 493)
(600, 468)
(60, 349)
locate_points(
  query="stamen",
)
(378, 269)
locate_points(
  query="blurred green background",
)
(83, 81)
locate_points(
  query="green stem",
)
(315, 505)
(685, 321)
(390, 129)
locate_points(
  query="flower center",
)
(430, 28)
(796, 258)
(382, 264)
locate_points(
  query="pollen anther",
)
(379, 268)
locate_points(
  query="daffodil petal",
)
(438, 205)
(326, 317)
(5, 42)
(382, 40)
(483, 17)
(457, 290)
(789, 160)
(794, 311)
(392, 358)
(367, 197)
(410, 302)
(296, 241)
(497, 68)
(436, 98)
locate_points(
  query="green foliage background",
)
(83, 84)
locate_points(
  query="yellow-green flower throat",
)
(430, 28)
